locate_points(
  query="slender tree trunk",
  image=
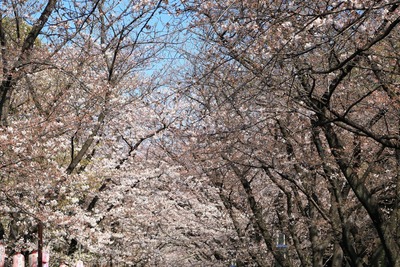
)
(363, 194)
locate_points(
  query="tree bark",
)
(11, 74)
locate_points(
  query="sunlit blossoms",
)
(199, 133)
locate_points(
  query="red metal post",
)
(40, 244)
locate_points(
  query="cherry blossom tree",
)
(298, 99)
(76, 107)
(271, 138)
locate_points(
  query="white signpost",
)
(33, 259)
(18, 260)
(2, 254)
